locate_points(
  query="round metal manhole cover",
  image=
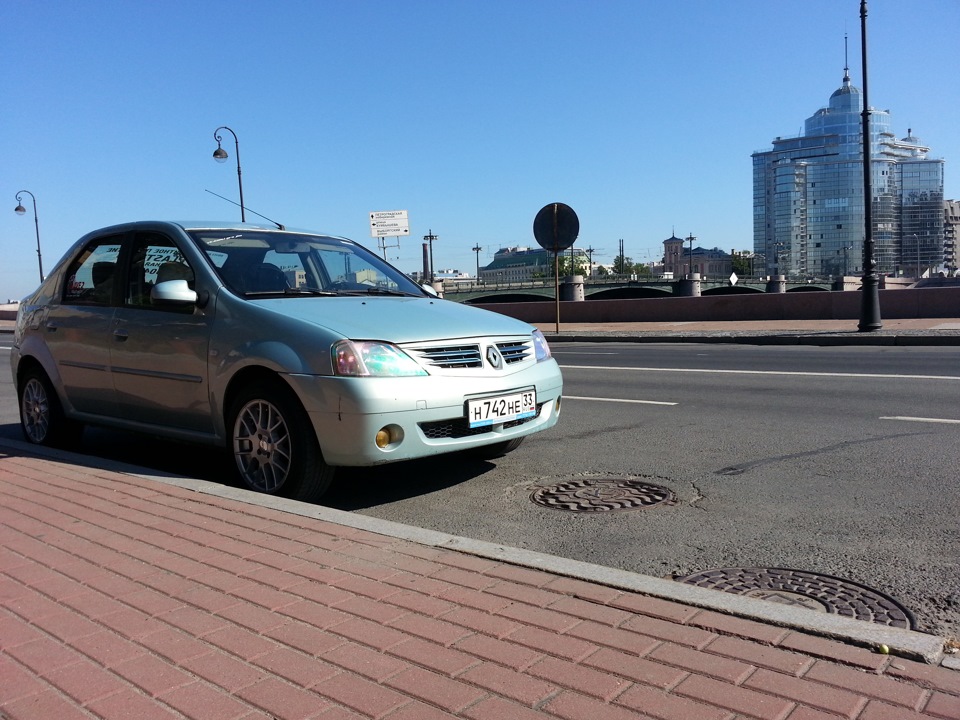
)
(799, 588)
(598, 495)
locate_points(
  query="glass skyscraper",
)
(808, 211)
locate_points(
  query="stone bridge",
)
(625, 288)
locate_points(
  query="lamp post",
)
(916, 240)
(430, 238)
(20, 210)
(690, 239)
(870, 283)
(477, 249)
(220, 155)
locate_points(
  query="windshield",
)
(264, 262)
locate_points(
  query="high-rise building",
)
(808, 211)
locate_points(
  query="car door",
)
(159, 350)
(78, 329)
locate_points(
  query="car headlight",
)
(540, 346)
(366, 358)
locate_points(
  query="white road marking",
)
(945, 421)
(621, 400)
(765, 372)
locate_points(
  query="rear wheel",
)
(41, 415)
(273, 443)
(489, 452)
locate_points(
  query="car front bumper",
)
(424, 415)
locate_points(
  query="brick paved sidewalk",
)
(125, 598)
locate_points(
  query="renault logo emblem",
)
(493, 357)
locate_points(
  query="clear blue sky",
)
(469, 114)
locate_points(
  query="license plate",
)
(501, 408)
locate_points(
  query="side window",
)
(90, 279)
(154, 259)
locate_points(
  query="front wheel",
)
(273, 444)
(41, 415)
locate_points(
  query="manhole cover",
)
(823, 593)
(601, 495)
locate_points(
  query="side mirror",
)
(176, 292)
(432, 291)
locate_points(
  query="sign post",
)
(556, 228)
(388, 223)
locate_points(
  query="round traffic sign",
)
(556, 227)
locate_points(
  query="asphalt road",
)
(841, 461)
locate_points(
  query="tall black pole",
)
(20, 210)
(220, 155)
(870, 285)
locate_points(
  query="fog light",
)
(388, 436)
(556, 407)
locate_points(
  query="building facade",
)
(808, 196)
(520, 264)
(680, 259)
(951, 225)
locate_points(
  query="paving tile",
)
(152, 674)
(224, 670)
(573, 706)
(832, 650)
(824, 697)
(369, 663)
(730, 697)
(686, 658)
(761, 655)
(438, 690)
(521, 687)
(865, 683)
(665, 706)
(360, 694)
(51, 704)
(585, 680)
(635, 668)
(506, 653)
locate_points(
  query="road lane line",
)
(620, 400)
(765, 372)
(946, 421)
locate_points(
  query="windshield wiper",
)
(380, 291)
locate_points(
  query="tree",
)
(622, 265)
(577, 267)
(741, 264)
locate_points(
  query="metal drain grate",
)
(597, 495)
(823, 593)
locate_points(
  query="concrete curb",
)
(904, 643)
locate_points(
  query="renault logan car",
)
(297, 352)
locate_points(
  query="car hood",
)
(396, 319)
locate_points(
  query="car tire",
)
(489, 452)
(273, 443)
(42, 419)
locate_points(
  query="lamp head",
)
(19, 209)
(220, 155)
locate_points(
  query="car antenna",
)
(279, 226)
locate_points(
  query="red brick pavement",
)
(124, 598)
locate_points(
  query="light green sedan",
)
(299, 352)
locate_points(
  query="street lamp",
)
(917, 241)
(690, 240)
(220, 155)
(20, 210)
(477, 249)
(430, 238)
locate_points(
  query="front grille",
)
(460, 428)
(454, 356)
(513, 351)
